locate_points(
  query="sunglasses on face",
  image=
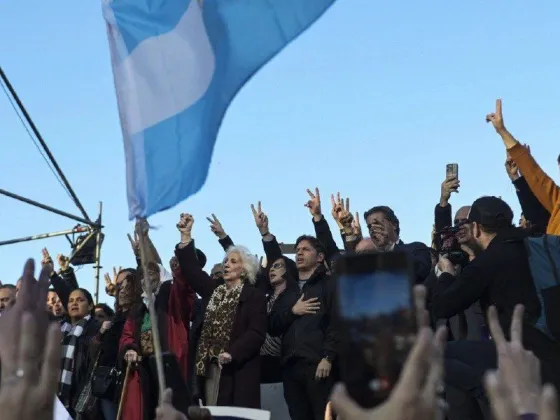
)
(461, 222)
(278, 265)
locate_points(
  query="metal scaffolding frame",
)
(92, 229)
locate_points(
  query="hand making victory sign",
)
(216, 227)
(314, 204)
(261, 219)
(515, 388)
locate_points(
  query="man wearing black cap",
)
(499, 275)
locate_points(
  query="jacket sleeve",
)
(63, 286)
(533, 210)
(324, 235)
(421, 260)
(544, 188)
(350, 242)
(127, 340)
(331, 337)
(247, 346)
(197, 278)
(442, 219)
(453, 295)
(226, 243)
(272, 250)
(281, 316)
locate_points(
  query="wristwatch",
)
(328, 359)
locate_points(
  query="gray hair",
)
(249, 261)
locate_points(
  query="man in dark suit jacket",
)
(384, 230)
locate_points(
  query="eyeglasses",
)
(278, 265)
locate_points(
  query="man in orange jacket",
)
(544, 188)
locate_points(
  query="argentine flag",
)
(177, 65)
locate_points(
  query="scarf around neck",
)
(217, 327)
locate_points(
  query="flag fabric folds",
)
(177, 65)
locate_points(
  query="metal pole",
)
(45, 147)
(78, 229)
(49, 208)
(140, 226)
(98, 255)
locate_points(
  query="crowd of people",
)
(228, 330)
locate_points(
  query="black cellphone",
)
(375, 319)
(174, 380)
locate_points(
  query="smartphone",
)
(174, 380)
(452, 170)
(375, 318)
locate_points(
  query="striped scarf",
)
(69, 342)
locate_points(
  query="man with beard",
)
(500, 275)
(384, 231)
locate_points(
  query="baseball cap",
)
(492, 212)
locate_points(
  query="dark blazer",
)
(240, 380)
(420, 256)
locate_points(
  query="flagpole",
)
(141, 229)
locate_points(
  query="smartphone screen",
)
(377, 325)
(452, 170)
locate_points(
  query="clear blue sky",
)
(373, 101)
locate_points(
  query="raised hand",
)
(185, 226)
(511, 168)
(261, 219)
(341, 211)
(450, 185)
(134, 243)
(111, 284)
(496, 117)
(29, 351)
(216, 227)
(518, 368)
(63, 262)
(415, 395)
(46, 258)
(314, 204)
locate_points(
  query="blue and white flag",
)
(177, 66)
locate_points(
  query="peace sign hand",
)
(111, 284)
(341, 211)
(135, 244)
(314, 204)
(216, 227)
(518, 369)
(261, 219)
(496, 117)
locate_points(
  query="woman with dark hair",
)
(79, 356)
(173, 303)
(128, 295)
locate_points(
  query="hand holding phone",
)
(376, 322)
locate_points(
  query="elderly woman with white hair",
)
(234, 328)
